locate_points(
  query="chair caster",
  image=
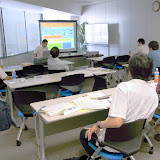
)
(151, 150)
(18, 143)
(116, 81)
(120, 80)
(108, 83)
(145, 140)
(26, 128)
(128, 158)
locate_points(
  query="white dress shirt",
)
(56, 64)
(142, 49)
(39, 51)
(2, 74)
(131, 101)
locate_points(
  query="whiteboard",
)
(96, 33)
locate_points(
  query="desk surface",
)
(51, 78)
(47, 119)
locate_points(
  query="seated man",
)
(131, 101)
(38, 53)
(54, 63)
(142, 48)
(154, 54)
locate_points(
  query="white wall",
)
(129, 20)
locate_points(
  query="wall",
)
(129, 20)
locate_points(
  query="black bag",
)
(5, 116)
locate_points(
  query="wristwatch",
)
(98, 124)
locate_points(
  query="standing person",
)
(154, 54)
(54, 63)
(131, 101)
(38, 53)
(142, 48)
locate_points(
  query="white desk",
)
(43, 79)
(60, 123)
(10, 68)
(95, 59)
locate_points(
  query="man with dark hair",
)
(131, 101)
(154, 54)
(38, 53)
(54, 63)
(142, 48)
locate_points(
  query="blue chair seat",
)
(119, 67)
(2, 90)
(113, 156)
(20, 114)
(156, 116)
(67, 93)
(106, 67)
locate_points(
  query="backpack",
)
(5, 116)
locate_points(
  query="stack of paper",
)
(62, 108)
(96, 95)
(88, 103)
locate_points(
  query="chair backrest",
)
(126, 132)
(55, 71)
(73, 83)
(99, 83)
(109, 62)
(122, 59)
(33, 70)
(27, 97)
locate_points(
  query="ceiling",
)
(88, 2)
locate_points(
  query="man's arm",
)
(114, 122)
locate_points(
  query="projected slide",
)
(61, 35)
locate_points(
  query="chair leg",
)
(95, 154)
(107, 79)
(154, 125)
(150, 143)
(20, 131)
(119, 75)
(114, 77)
(59, 92)
(132, 158)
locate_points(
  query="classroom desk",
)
(95, 59)
(10, 68)
(60, 123)
(21, 83)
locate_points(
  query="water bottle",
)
(156, 76)
(13, 74)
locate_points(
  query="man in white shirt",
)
(142, 48)
(132, 100)
(54, 63)
(38, 53)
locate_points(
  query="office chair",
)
(71, 85)
(55, 71)
(2, 91)
(22, 100)
(99, 83)
(119, 62)
(109, 63)
(33, 70)
(126, 139)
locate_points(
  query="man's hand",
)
(90, 131)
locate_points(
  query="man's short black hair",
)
(154, 45)
(140, 66)
(141, 40)
(54, 52)
(44, 41)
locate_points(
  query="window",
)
(14, 31)
(32, 26)
(1, 37)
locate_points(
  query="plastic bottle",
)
(13, 74)
(156, 76)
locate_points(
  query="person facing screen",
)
(54, 63)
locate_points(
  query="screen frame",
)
(62, 21)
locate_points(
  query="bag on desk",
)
(5, 116)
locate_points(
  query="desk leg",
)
(41, 139)
(10, 101)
